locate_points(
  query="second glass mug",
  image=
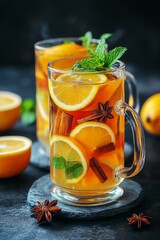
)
(87, 125)
(46, 51)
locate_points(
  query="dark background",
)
(134, 24)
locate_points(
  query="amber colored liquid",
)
(113, 91)
(42, 58)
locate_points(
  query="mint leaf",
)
(28, 105)
(105, 36)
(100, 50)
(58, 162)
(99, 60)
(113, 55)
(86, 39)
(73, 169)
(88, 64)
(28, 118)
(28, 113)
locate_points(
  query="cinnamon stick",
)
(62, 123)
(94, 164)
(104, 149)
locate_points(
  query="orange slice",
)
(10, 108)
(72, 153)
(110, 159)
(93, 135)
(75, 91)
(42, 104)
(15, 154)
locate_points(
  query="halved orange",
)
(93, 135)
(15, 154)
(72, 153)
(72, 92)
(10, 108)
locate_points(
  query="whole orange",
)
(150, 114)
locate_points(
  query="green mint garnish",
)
(86, 39)
(99, 60)
(73, 169)
(88, 36)
(59, 162)
(28, 114)
(105, 36)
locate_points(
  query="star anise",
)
(139, 219)
(45, 211)
(101, 114)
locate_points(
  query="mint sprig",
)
(73, 169)
(28, 112)
(58, 162)
(88, 37)
(99, 60)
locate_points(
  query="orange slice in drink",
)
(110, 159)
(70, 156)
(75, 91)
(42, 104)
(10, 108)
(93, 135)
(64, 50)
(15, 154)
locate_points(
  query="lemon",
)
(68, 150)
(75, 91)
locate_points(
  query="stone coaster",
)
(133, 195)
(40, 158)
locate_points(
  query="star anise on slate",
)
(139, 219)
(101, 114)
(45, 211)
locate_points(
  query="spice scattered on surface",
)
(139, 219)
(45, 211)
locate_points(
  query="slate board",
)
(133, 195)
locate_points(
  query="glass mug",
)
(46, 51)
(87, 123)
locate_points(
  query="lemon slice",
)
(15, 154)
(75, 91)
(93, 135)
(72, 152)
(10, 108)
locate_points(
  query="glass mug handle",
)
(138, 141)
(133, 100)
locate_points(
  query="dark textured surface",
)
(15, 220)
(133, 195)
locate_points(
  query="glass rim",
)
(113, 68)
(38, 44)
